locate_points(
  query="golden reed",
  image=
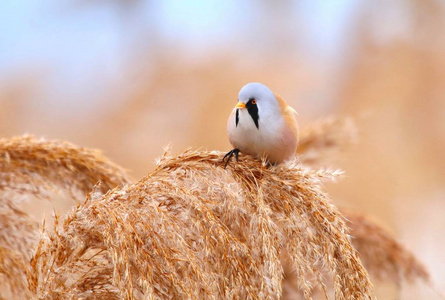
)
(189, 229)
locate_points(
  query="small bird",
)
(262, 124)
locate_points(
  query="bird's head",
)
(259, 101)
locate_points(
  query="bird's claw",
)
(229, 156)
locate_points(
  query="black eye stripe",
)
(252, 101)
(237, 118)
(252, 108)
(253, 112)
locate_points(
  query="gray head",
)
(255, 90)
(260, 102)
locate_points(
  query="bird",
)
(262, 124)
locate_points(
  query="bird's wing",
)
(287, 109)
(291, 110)
(289, 114)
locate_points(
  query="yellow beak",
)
(240, 105)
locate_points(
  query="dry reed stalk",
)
(16, 229)
(192, 229)
(31, 165)
(17, 240)
(325, 140)
(384, 257)
(13, 275)
(190, 210)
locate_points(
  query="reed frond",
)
(29, 165)
(194, 229)
(18, 235)
(383, 256)
(323, 141)
(189, 229)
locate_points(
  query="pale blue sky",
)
(75, 41)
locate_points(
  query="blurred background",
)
(131, 76)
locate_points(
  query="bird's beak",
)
(240, 105)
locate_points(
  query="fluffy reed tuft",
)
(324, 140)
(17, 240)
(189, 228)
(32, 166)
(384, 257)
(192, 229)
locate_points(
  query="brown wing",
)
(289, 114)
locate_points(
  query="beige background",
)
(389, 73)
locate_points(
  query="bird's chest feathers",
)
(246, 132)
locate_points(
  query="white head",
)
(260, 102)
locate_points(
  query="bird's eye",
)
(254, 101)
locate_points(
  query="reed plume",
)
(193, 229)
(29, 165)
(18, 237)
(384, 257)
(190, 229)
(323, 141)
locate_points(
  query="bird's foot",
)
(229, 155)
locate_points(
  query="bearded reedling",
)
(262, 124)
